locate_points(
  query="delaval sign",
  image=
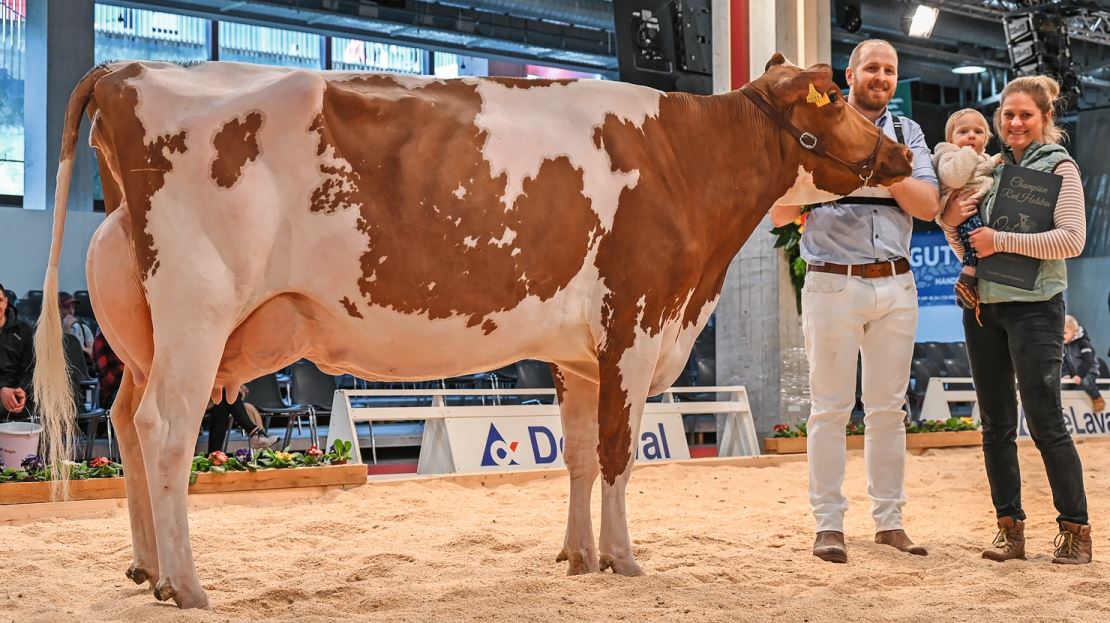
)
(1079, 418)
(495, 444)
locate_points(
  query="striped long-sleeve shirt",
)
(1069, 225)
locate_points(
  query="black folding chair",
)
(86, 395)
(265, 394)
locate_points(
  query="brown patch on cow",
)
(142, 164)
(349, 305)
(236, 144)
(560, 383)
(489, 326)
(430, 251)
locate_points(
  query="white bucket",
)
(17, 440)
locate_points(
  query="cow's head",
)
(810, 101)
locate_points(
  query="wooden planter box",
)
(797, 445)
(103, 488)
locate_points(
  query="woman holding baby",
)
(1013, 332)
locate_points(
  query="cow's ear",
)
(777, 59)
(800, 85)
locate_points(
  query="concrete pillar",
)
(759, 340)
(59, 53)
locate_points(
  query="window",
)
(355, 55)
(13, 21)
(125, 33)
(269, 46)
(447, 65)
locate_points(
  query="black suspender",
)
(898, 129)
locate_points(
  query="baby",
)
(961, 165)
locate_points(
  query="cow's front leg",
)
(624, 386)
(578, 408)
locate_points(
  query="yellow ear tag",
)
(816, 98)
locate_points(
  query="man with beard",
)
(860, 298)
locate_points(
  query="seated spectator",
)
(109, 369)
(71, 324)
(1080, 365)
(218, 416)
(17, 360)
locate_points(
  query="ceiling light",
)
(969, 69)
(922, 22)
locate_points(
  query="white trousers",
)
(841, 317)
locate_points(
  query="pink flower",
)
(314, 452)
(100, 461)
(217, 458)
(781, 428)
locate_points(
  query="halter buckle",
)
(807, 140)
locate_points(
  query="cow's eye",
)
(832, 97)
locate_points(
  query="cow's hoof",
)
(138, 574)
(580, 561)
(626, 565)
(164, 591)
(184, 599)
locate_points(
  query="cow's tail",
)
(52, 390)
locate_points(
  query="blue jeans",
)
(1024, 340)
(963, 231)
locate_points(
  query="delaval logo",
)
(546, 447)
(497, 451)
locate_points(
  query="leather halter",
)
(863, 168)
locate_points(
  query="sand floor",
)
(717, 543)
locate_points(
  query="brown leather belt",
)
(867, 271)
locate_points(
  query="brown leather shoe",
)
(829, 546)
(1073, 544)
(1098, 404)
(900, 541)
(1010, 542)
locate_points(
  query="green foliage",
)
(951, 425)
(789, 239)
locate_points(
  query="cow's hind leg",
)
(167, 421)
(144, 566)
(624, 386)
(578, 407)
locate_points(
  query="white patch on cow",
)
(561, 120)
(805, 191)
(516, 252)
(382, 259)
(431, 285)
(470, 242)
(460, 192)
(506, 239)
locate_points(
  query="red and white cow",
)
(399, 227)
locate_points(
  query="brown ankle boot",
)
(1073, 544)
(900, 541)
(1010, 542)
(829, 546)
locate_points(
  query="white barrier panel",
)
(481, 444)
(1079, 416)
(475, 438)
(938, 397)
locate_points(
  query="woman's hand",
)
(982, 240)
(959, 208)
